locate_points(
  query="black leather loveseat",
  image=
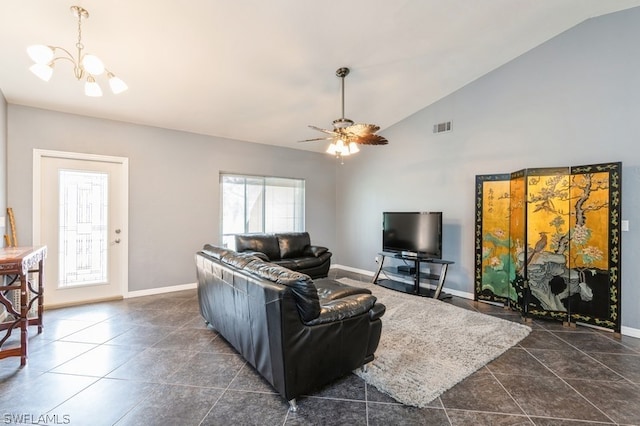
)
(299, 334)
(293, 250)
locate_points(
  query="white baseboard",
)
(631, 332)
(350, 269)
(457, 293)
(161, 290)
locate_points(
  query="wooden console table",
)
(16, 264)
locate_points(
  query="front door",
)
(80, 214)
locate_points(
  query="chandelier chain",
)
(79, 44)
(77, 69)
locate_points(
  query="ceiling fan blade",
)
(317, 139)
(371, 140)
(329, 132)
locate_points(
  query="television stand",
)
(393, 272)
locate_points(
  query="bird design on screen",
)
(548, 242)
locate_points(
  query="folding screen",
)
(548, 242)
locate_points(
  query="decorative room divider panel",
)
(547, 242)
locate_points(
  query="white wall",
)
(574, 100)
(174, 185)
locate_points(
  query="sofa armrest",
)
(329, 289)
(315, 251)
(346, 307)
(377, 311)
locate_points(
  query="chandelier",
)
(84, 64)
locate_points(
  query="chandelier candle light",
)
(83, 65)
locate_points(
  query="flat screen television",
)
(413, 233)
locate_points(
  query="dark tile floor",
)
(151, 360)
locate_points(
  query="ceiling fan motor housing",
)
(340, 123)
(342, 72)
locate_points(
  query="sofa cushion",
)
(287, 263)
(263, 243)
(346, 307)
(239, 260)
(329, 289)
(302, 287)
(215, 251)
(257, 254)
(315, 251)
(302, 263)
(293, 244)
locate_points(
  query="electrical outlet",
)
(624, 225)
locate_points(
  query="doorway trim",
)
(39, 154)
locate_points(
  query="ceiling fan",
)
(347, 135)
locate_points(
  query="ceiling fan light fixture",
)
(353, 148)
(332, 149)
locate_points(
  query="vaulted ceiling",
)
(261, 71)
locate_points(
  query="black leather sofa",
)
(293, 250)
(299, 334)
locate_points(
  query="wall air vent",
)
(442, 127)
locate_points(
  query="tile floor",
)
(151, 361)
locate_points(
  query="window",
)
(83, 212)
(260, 204)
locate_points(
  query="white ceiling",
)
(262, 71)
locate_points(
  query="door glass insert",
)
(83, 221)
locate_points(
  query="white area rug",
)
(427, 346)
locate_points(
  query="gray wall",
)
(3, 176)
(173, 184)
(574, 100)
(3, 164)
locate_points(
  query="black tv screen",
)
(413, 233)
